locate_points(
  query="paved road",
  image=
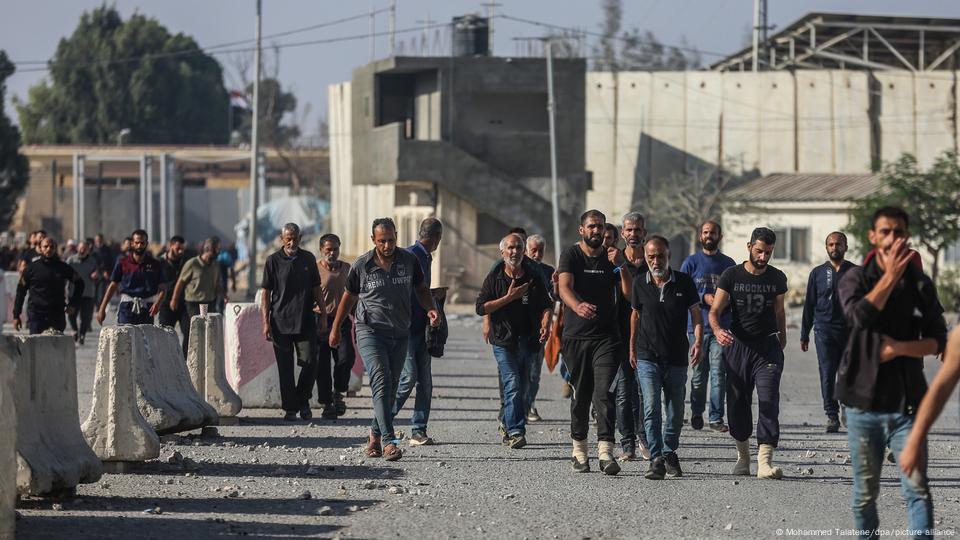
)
(251, 478)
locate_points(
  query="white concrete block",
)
(165, 394)
(250, 361)
(115, 428)
(8, 449)
(205, 361)
(10, 280)
(52, 454)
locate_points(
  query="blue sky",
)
(29, 31)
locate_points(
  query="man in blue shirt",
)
(823, 313)
(139, 278)
(705, 268)
(416, 367)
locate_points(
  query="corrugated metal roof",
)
(807, 187)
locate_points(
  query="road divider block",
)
(8, 449)
(206, 363)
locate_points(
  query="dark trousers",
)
(38, 321)
(630, 420)
(334, 365)
(830, 345)
(173, 318)
(593, 365)
(125, 314)
(85, 313)
(294, 396)
(754, 364)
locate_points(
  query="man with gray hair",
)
(416, 367)
(519, 307)
(199, 281)
(290, 290)
(536, 245)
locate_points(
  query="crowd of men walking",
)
(629, 329)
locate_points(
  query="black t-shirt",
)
(752, 299)
(663, 317)
(30, 255)
(290, 282)
(623, 303)
(595, 282)
(521, 317)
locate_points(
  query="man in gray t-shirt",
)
(86, 265)
(381, 284)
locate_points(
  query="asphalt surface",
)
(253, 479)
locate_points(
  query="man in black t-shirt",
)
(591, 339)
(291, 289)
(754, 350)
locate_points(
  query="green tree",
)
(112, 74)
(275, 105)
(638, 50)
(13, 165)
(931, 197)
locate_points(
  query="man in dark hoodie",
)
(894, 320)
(45, 279)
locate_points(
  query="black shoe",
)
(306, 413)
(833, 424)
(697, 422)
(628, 452)
(517, 441)
(609, 468)
(290, 416)
(672, 464)
(657, 469)
(579, 467)
(82, 338)
(339, 405)
(719, 427)
(329, 412)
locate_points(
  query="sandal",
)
(373, 448)
(392, 452)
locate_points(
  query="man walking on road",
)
(536, 245)
(87, 266)
(591, 344)
(172, 262)
(45, 279)
(754, 346)
(705, 268)
(291, 289)
(199, 282)
(895, 320)
(139, 278)
(662, 300)
(333, 369)
(380, 285)
(416, 367)
(633, 435)
(520, 310)
(822, 312)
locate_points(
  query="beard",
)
(659, 273)
(140, 251)
(513, 262)
(329, 259)
(593, 241)
(709, 245)
(836, 256)
(756, 263)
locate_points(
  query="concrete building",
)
(195, 191)
(464, 138)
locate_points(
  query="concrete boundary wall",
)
(206, 363)
(8, 449)
(52, 454)
(115, 428)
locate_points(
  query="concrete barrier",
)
(250, 361)
(205, 361)
(10, 280)
(165, 394)
(8, 449)
(52, 454)
(115, 429)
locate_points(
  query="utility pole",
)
(254, 167)
(393, 27)
(760, 28)
(373, 27)
(491, 6)
(554, 188)
(424, 39)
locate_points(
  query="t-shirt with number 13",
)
(752, 299)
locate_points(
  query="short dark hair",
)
(430, 228)
(657, 238)
(329, 237)
(41, 231)
(139, 232)
(892, 212)
(838, 233)
(763, 234)
(592, 214)
(177, 239)
(610, 227)
(518, 230)
(384, 222)
(714, 223)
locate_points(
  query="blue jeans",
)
(868, 433)
(711, 366)
(629, 403)
(513, 363)
(416, 372)
(536, 367)
(382, 357)
(669, 381)
(830, 345)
